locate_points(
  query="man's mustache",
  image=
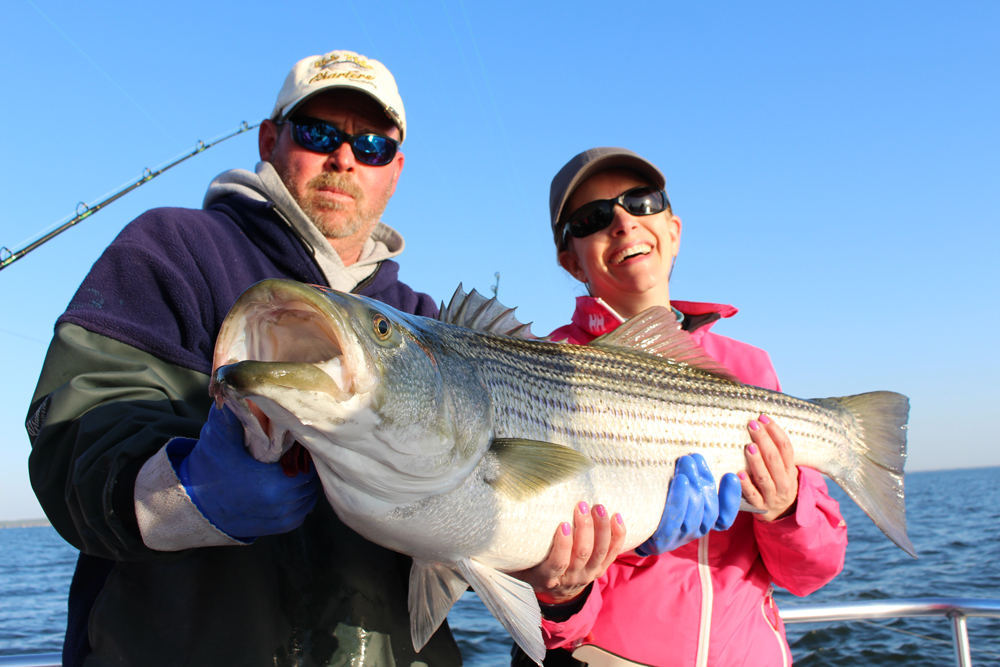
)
(341, 182)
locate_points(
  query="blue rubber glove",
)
(693, 508)
(241, 496)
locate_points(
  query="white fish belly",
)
(524, 530)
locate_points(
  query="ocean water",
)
(953, 519)
(36, 566)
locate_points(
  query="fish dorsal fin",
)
(525, 468)
(474, 311)
(511, 601)
(434, 588)
(655, 331)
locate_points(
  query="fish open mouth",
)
(283, 338)
(290, 334)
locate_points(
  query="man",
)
(191, 551)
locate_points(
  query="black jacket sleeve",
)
(100, 410)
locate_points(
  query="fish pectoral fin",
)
(434, 588)
(511, 601)
(655, 331)
(528, 467)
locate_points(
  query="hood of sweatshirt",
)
(265, 185)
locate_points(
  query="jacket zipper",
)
(768, 605)
(705, 628)
(367, 281)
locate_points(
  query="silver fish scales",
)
(464, 442)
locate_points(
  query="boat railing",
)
(956, 609)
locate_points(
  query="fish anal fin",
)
(529, 467)
(434, 588)
(511, 601)
(655, 331)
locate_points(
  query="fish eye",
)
(382, 326)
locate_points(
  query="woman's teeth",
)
(640, 249)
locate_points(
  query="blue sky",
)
(836, 167)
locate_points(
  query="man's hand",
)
(693, 507)
(580, 554)
(772, 479)
(241, 496)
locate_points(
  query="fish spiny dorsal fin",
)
(474, 311)
(455, 310)
(655, 331)
(444, 314)
(528, 467)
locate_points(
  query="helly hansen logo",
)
(596, 321)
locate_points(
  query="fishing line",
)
(468, 70)
(364, 27)
(496, 109)
(83, 210)
(33, 340)
(98, 68)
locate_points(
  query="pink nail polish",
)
(584, 508)
(754, 425)
(752, 449)
(566, 529)
(764, 420)
(741, 474)
(619, 519)
(600, 511)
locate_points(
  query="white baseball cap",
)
(341, 69)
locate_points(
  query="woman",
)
(705, 602)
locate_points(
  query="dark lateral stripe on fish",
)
(610, 386)
(650, 426)
(646, 440)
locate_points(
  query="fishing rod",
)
(7, 257)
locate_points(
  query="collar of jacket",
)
(597, 318)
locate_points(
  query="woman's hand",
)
(772, 480)
(580, 554)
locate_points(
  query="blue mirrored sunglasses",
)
(320, 136)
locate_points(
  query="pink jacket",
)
(708, 602)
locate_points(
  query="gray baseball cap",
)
(590, 162)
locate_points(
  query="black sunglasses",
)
(597, 215)
(320, 136)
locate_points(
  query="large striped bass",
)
(464, 442)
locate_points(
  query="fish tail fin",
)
(875, 480)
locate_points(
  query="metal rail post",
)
(960, 635)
